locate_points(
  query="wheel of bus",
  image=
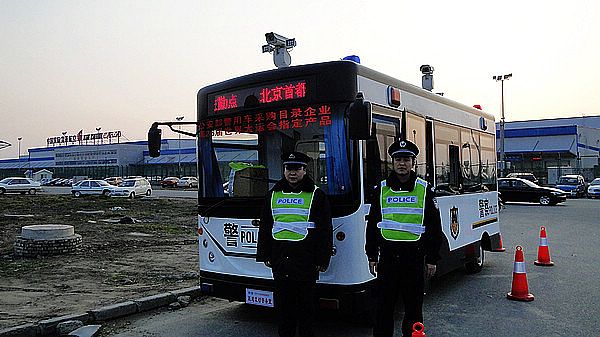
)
(475, 265)
(545, 200)
(148, 193)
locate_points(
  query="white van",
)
(131, 188)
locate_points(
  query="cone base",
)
(545, 264)
(522, 298)
(499, 250)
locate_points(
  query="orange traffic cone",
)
(501, 248)
(543, 251)
(418, 330)
(520, 290)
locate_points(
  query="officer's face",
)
(403, 165)
(294, 173)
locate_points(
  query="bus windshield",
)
(240, 155)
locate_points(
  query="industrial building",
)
(550, 148)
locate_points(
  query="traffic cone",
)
(520, 290)
(543, 251)
(418, 330)
(501, 248)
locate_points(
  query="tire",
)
(544, 200)
(77, 194)
(32, 191)
(132, 195)
(106, 193)
(2, 191)
(148, 193)
(474, 266)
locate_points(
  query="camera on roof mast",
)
(279, 41)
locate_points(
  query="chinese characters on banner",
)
(294, 118)
(277, 93)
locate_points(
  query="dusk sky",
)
(120, 65)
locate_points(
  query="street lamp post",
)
(179, 119)
(97, 150)
(19, 149)
(501, 79)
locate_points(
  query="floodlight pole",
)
(501, 79)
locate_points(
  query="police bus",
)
(344, 116)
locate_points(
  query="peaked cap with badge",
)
(295, 158)
(403, 148)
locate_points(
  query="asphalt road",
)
(567, 295)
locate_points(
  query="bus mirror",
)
(154, 139)
(359, 118)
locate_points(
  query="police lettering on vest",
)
(290, 201)
(402, 200)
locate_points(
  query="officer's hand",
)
(268, 264)
(373, 268)
(430, 270)
(321, 269)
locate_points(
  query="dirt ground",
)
(116, 262)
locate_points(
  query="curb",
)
(47, 327)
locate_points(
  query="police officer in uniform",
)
(403, 239)
(295, 240)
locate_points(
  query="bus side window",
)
(455, 174)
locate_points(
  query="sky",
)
(121, 65)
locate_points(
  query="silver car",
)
(92, 187)
(19, 185)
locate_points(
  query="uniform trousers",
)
(294, 304)
(399, 279)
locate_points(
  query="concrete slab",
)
(86, 331)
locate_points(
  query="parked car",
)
(132, 188)
(114, 180)
(92, 187)
(169, 182)
(593, 190)
(573, 184)
(518, 189)
(19, 185)
(523, 175)
(188, 182)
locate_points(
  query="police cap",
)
(403, 148)
(295, 158)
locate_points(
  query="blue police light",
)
(353, 58)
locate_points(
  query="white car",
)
(19, 185)
(188, 182)
(593, 190)
(92, 187)
(132, 188)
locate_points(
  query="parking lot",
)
(567, 295)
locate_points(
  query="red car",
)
(169, 182)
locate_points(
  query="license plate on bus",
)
(259, 297)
